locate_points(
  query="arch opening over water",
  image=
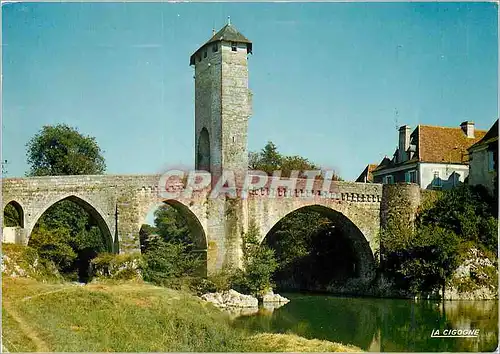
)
(320, 249)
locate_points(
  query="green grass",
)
(126, 317)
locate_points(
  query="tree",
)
(259, 264)
(469, 212)
(167, 247)
(11, 217)
(424, 259)
(54, 245)
(269, 160)
(62, 150)
(172, 225)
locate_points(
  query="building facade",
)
(483, 161)
(432, 157)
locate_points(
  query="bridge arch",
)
(194, 225)
(358, 242)
(89, 207)
(18, 218)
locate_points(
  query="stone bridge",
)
(120, 204)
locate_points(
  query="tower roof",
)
(228, 33)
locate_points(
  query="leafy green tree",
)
(424, 258)
(167, 247)
(54, 245)
(167, 260)
(62, 150)
(429, 259)
(259, 264)
(11, 217)
(467, 211)
(269, 160)
(172, 225)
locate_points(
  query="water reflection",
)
(381, 324)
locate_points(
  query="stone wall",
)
(479, 172)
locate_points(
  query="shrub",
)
(53, 245)
(259, 264)
(167, 260)
(24, 261)
(222, 280)
(118, 266)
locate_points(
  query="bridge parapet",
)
(336, 190)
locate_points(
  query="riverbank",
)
(127, 317)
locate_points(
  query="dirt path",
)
(40, 345)
(46, 293)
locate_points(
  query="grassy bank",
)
(126, 317)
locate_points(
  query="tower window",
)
(234, 46)
(234, 139)
(205, 54)
(199, 58)
(215, 48)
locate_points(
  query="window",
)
(205, 54)
(491, 161)
(199, 58)
(455, 178)
(234, 46)
(436, 181)
(215, 48)
(388, 179)
(411, 177)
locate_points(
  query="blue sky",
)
(327, 78)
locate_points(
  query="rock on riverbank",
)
(270, 296)
(231, 298)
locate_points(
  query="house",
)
(431, 156)
(483, 161)
(366, 176)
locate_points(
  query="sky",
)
(330, 81)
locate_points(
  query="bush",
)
(222, 280)
(53, 245)
(165, 261)
(24, 261)
(259, 264)
(467, 211)
(424, 258)
(118, 266)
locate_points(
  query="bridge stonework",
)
(120, 205)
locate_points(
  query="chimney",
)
(468, 128)
(404, 143)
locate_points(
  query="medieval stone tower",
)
(222, 102)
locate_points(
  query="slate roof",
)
(490, 137)
(228, 33)
(437, 145)
(368, 173)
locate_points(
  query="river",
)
(381, 324)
